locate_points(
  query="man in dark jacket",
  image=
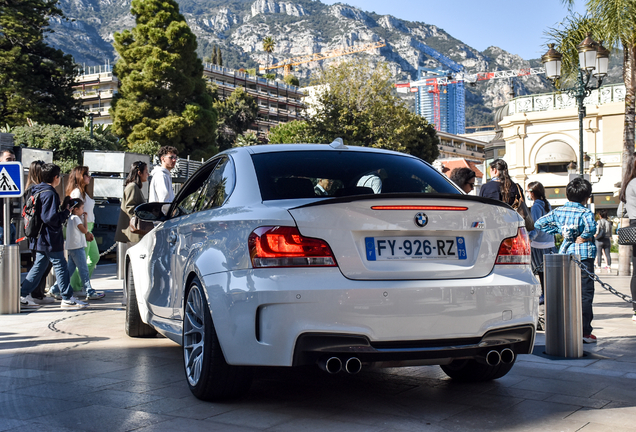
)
(49, 245)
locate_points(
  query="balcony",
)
(558, 101)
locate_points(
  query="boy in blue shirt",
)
(576, 224)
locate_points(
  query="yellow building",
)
(540, 137)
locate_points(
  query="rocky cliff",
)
(300, 27)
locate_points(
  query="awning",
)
(555, 151)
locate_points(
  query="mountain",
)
(302, 27)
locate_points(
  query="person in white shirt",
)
(75, 244)
(161, 183)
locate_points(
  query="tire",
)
(135, 327)
(209, 376)
(469, 370)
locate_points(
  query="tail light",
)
(286, 247)
(515, 250)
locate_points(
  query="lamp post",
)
(593, 61)
(91, 115)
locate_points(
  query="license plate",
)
(415, 248)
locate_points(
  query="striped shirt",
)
(573, 220)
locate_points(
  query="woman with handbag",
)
(628, 196)
(541, 243)
(501, 187)
(133, 196)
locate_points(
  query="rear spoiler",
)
(410, 195)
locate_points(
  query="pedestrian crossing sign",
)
(11, 184)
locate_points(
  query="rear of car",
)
(393, 266)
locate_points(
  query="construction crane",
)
(287, 63)
(459, 78)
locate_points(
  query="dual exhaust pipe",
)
(333, 365)
(353, 365)
(494, 357)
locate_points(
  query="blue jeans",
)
(39, 268)
(77, 260)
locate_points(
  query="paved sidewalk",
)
(78, 371)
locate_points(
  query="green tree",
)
(291, 80)
(613, 22)
(162, 96)
(357, 102)
(214, 58)
(150, 148)
(36, 80)
(297, 131)
(246, 139)
(67, 142)
(268, 46)
(236, 114)
(219, 57)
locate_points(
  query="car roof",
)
(274, 148)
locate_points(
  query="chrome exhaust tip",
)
(353, 365)
(493, 358)
(507, 356)
(332, 365)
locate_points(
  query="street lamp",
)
(572, 168)
(593, 61)
(91, 115)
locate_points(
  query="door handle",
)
(172, 238)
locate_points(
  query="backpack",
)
(31, 214)
(602, 230)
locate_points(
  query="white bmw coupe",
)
(335, 256)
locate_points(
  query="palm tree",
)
(613, 22)
(268, 46)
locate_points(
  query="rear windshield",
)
(328, 173)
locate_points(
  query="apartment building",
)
(453, 146)
(277, 102)
(96, 87)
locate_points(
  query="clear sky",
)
(517, 26)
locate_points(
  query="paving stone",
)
(616, 417)
(102, 418)
(83, 373)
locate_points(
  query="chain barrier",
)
(108, 250)
(606, 286)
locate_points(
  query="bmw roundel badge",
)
(421, 220)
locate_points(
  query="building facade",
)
(540, 137)
(453, 146)
(96, 88)
(277, 102)
(450, 98)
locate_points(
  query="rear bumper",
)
(291, 317)
(312, 348)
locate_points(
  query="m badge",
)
(421, 220)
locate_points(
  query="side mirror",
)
(151, 212)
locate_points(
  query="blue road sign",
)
(11, 180)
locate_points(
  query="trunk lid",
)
(428, 237)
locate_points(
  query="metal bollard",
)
(122, 248)
(563, 316)
(10, 273)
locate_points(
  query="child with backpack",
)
(48, 241)
(75, 245)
